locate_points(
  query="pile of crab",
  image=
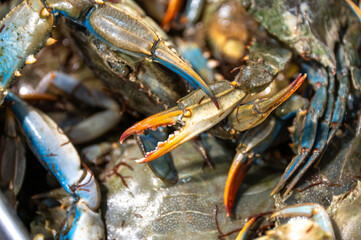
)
(266, 91)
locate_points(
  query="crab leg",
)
(193, 54)
(251, 114)
(196, 114)
(316, 140)
(54, 150)
(93, 126)
(23, 32)
(173, 9)
(340, 106)
(254, 141)
(12, 158)
(314, 114)
(193, 11)
(195, 111)
(322, 135)
(10, 226)
(243, 234)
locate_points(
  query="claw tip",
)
(274, 192)
(229, 211)
(142, 160)
(123, 137)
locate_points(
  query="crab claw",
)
(254, 141)
(196, 114)
(253, 113)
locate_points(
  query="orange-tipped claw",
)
(196, 113)
(165, 118)
(273, 102)
(247, 116)
(236, 174)
(252, 114)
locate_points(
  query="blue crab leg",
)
(196, 114)
(25, 29)
(94, 153)
(322, 134)
(93, 126)
(172, 11)
(343, 91)
(253, 113)
(254, 141)
(86, 223)
(340, 106)
(309, 210)
(54, 150)
(23, 32)
(163, 166)
(195, 111)
(315, 112)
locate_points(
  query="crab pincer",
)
(196, 113)
(247, 116)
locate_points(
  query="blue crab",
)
(311, 31)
